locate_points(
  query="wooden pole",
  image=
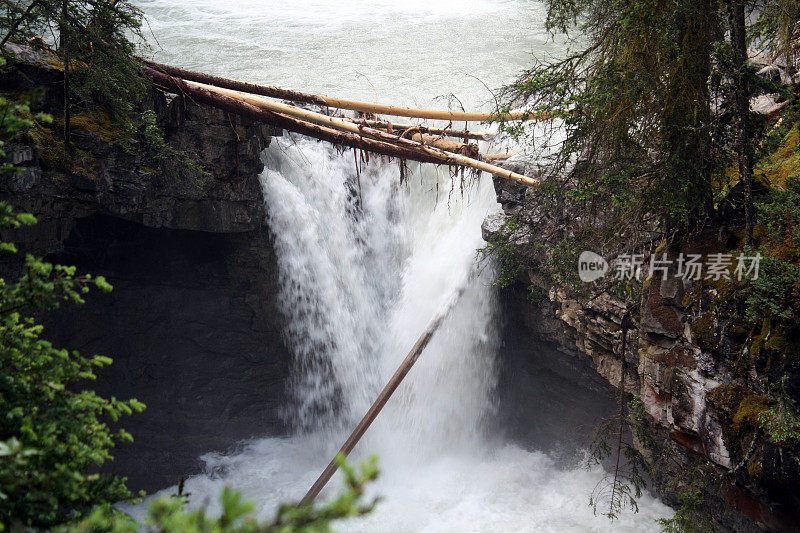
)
(339, 103)
(381, 400)
(500, 157)
(344, 125)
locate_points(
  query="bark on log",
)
(238, 107)
(329, 101)
(447, 158)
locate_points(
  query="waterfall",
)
(363, 269)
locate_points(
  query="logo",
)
(591, 266)
(635, 267)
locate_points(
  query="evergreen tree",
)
(654, 98)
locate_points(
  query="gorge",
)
(264, 293)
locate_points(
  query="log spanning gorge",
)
(374, 261)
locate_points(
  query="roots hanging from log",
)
(391, 127)
(340, 103)
(358, 177)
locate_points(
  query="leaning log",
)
(444, 157)
(381, 400)
(239, 107)
(338, 103)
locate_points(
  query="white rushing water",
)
(362, 273)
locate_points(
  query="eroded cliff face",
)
(192, 324)
(678, 365)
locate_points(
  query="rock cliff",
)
(678, 362)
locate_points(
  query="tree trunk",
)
(337, 103)
(380, 401)
(738, 27)
(15, 26)
(304, 128)
(65, 55)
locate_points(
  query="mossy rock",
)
(99, 123)
(703, 328)
(726, 398)
(55, 158)
(746, 416)
(738, 410)
(783, 163)
(776, 342)
(739, 331)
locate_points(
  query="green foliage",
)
(99, 41)
(152, 133)
(615, 493)
(53, 431)
(169, 515)
(15, 117)
(776, 291)
(691, 516)
(780, 422)
(175, 163)
(775, 25)
(96, 37)
(562, 263)
(779, 211)
(502, 246)
(634, 100)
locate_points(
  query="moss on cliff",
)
(57, 162)
(98, 122)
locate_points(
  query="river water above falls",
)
(362, 274)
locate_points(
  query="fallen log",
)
(498, 157)
(339, 103)
(422, 135)
(333, 136)
(445, 132)
(448, 158)
(467, 149)
(381, 400)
